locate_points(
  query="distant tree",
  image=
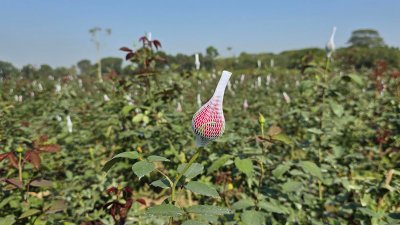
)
(366, 38)
(7, 69)
(44, 70)
(61, 72)
(110, 64)
(211, 54)
(85, 67)
(28, 71)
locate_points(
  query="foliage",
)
(328, 156)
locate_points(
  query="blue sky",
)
(56, 31)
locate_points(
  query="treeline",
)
(346, 58)
(366, 48)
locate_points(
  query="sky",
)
(55, 32)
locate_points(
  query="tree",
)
(28, 71)
(212, 52)
(85, 67)
(7, 69)
(44, 70)
(111, 64)
(366, 38)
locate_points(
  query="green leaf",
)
(253, 218)
(209, 218)
(142, 168)
(5, 201)
(282, 138)
(208, 210)
(291, 186)
(194, 170)
(156, 158)
(337, 109)
(242, 204)
(311, 168)
(138, 118)
(356, 79)
(202, 189)
(273, 207)
(110, 164)
(281, 169)
(129, 155)
(125, 111)
(245, 166)
(218, 163)
(194, 222)
(117, 158)
(165, 210)
(56, 206)
(162, 183)
(8, 220)
(29, 213)
(41, 183)
(315, 131)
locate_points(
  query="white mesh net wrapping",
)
(208, 122)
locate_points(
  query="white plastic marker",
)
(259, 64)
(330, 46)
(179, 107)
(148, 35)
(242, 78)
(69, 124)
(58, 88)
(245, 104)
(198, 100)
(272, 63)
(106, 98)
(197, 61)
(268, 79)
(286, 97)
(208, 122)
(259, 81)
(40, 87)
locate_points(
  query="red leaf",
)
(143, 39)
(128, 191)
(14, 181)
(50, 148)
(128, 204)
(33, 157)
(13, 160)
(157, 44)
(113, 190)
(141, 201)
(129, 55)
(125, 49)
(43, 138)
(3, 156)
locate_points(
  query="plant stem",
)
(166, 177)
(262, 129)
(179, 176)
